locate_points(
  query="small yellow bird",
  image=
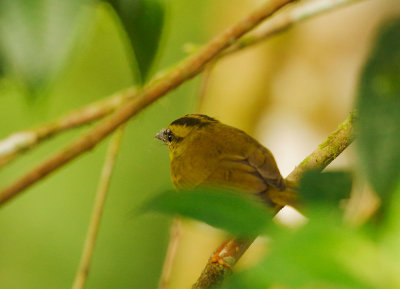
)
(206, 152)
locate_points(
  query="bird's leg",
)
(229, 251)
(218, 255)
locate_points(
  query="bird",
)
(207, 153)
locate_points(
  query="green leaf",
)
(326, 189)
(239, 214)
(319, 255)
(36, 37)
(143, 21)
(379, 112)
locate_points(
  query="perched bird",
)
(206, 152)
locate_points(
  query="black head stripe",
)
(187, 120)
(200, 120)
(206, 117)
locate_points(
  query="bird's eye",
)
(170, 137)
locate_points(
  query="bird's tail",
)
(286, 197)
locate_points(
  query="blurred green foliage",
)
(379, 117)
(322, 254)
(324, 190)
(237, 213)
(36, 37)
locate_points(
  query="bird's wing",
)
(235, 172)
(279, 193)
(260, 176)
(263, 161)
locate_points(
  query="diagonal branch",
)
(21, 141)
(230, 251)
(183, 72)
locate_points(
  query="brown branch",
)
(87, 254)
(21, 141)
(326, 152)
(230, 251)
(183, 72)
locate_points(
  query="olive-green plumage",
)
(203, 151)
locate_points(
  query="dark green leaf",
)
(237, 213)
(143, 22)
(324, 189)
(379, 112)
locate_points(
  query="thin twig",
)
(174, 238)
(230, 251)
(284, 20)
(87, 254)
(183, 72)
(21, 141)
(204, 85)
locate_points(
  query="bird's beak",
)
(160, 135)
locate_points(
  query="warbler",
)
(206, 152)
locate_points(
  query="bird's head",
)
(180, 129)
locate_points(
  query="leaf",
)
(379, 117)
(324, 189)
(239, 214)
(319, 255)
(36, 37)
(143, 21)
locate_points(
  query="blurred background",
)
(289, 92)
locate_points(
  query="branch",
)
(183, 72)
(21, 141)
(285, 20)
(230, 252)
(326, 152)
(87, 254)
